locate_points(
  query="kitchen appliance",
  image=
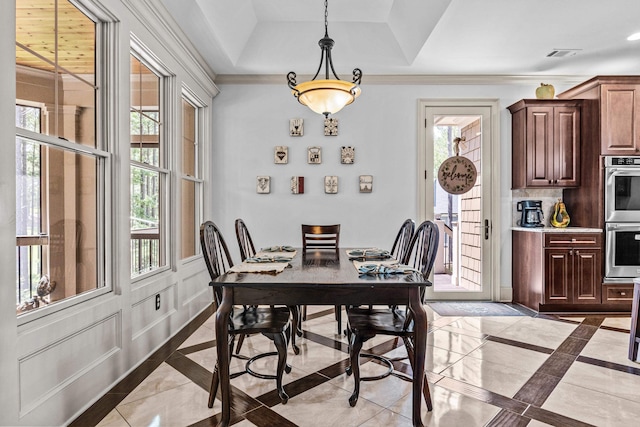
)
(623, 250)
(622, 189)
(622, 217)
(532, 215)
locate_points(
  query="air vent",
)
(561, 53)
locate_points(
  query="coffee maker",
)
(532, 215)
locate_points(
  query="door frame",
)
(491, 167)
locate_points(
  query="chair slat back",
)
(216, 254)
(320, 237)
(400, 248)
(245, 243)
(423, 248)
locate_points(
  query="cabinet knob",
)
(549, 181)
(623, 293)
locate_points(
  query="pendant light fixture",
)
(326, 96)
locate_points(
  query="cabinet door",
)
(565, 150)
(557, 276)
(539, 136)
(620, 117)
(586, 276)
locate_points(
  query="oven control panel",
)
(622, 161)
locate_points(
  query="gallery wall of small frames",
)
(314, 157)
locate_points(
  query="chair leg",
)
(338, 312)
(294, 310)
(355, 346)
(240, 341)
(425, 387)
(215, 381)
(280, 340)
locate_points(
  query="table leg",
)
(222, 347)
(420, 332)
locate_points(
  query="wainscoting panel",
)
(48, 370)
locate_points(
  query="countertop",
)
(557, 230)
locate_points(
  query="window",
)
(149, 178)
(192, 183)
(60, 164)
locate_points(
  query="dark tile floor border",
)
(516, 411)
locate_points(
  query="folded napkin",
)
(278, 249)
(371, 269)
(248, 267)
(369, 253)
(267, 258)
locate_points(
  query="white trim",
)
(492, 167)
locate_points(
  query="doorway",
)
(466, 266)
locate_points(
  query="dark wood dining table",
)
(320, 278)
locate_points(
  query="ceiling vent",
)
(561, 53)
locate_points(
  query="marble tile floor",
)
(483, 371)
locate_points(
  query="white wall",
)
(382, 125)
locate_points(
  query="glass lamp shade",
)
(326, 96)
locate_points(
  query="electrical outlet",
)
(158, 302)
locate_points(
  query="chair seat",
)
(378, 321)
(260, 320)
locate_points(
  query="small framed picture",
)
(314, 155)
(296, 127)
(297, 185)
(263, 185)
(331, 126)
(347, 155)
(366, 183)
(281, 154)
(331, 184)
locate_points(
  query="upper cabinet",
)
(545, 143)
(620, 116)
(614, 112)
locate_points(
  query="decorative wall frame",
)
(366, 183)
(296, 127)
(347, 155)
(314, 155)
(281, 154)
(263, 184)
(331, 184)
(297, 184)
(330, 126)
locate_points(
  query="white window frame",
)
(105, 77)
(200, 110)
(166, 107)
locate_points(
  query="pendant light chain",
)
(326, 18)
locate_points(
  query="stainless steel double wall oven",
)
(622, 217)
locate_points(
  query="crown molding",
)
(411, 79)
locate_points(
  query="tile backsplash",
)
(548, 196)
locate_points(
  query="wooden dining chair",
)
(400, 247)
(271, 322)
(247, 250)
(366, 323)
(320, 237)
(323, 237)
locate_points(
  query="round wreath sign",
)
(457, 174)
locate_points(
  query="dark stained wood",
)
(527, 268)
(508, 418)
(320, 278)
(537, 389)
(557, 270)
(545, 143)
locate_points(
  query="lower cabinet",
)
(573, 266)
(557, 271)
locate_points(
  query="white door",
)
(466, 266)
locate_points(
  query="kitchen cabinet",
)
(557, 270)
(620, 116)
(572, 268)
(545, 143)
